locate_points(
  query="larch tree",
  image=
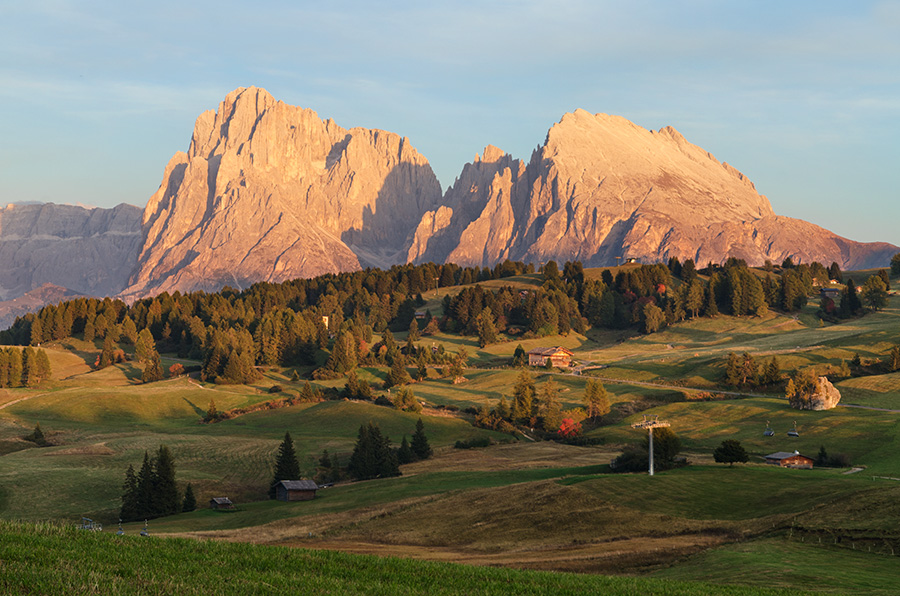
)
(596, 400)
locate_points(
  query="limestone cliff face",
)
(270, 192)
(601, 187)
(90, 251)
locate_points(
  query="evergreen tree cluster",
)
(152, 491)
(23, 367)
(745, 372)
(373, 456)
(288, 323)
(539, 408)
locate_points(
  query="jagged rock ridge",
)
(269, 192)
(89, 251)
(602, 187)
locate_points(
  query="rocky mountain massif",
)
(269, 192)
(601, 187)
(89, 251)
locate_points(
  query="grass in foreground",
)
(779, 562)
(49, 560)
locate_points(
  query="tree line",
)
(23, 367)
(152, 491)
(232, 332)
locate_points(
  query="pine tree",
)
(520, 358)
(372, 455)
(326, 469)
(406, 400)
(405, 454)
(397, 375)
(420, 446)
(130, 507)
(212, 413)
(421, 367)
(286, 465)
(487, 331)
(165, 491)
(189, 503)
(145, 481)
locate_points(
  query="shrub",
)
(275, 389)
(473, 443)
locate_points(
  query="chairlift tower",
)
(650, 424)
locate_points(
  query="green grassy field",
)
(50, 560)
(515, 504)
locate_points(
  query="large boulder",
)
(823, 397)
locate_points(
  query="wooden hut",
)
(221, 504)
(296, 490)
(558, 356)
(788, 459)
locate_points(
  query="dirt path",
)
(15, 401)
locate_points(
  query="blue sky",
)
(801, 96)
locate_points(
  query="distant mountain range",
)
(269, 192)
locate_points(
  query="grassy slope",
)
(105, 421)
(51, 560)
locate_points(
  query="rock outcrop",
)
(824, 396)
(89, 251)
(601, 187)
(270, 192)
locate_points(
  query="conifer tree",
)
(502, 409)
(165, 491)
(372, 455)
(89, 332)
(523, 397)
(520, 358)
(596, 400)
(37, 332)
(405, 454)
(4, 368)
(286, 465)
(406, 400)
(129, 510)
(107, 355)
(30, 375)
(211, 412)
(43, 365)
(419, 445)
(397, 375)
(14, 356)
(549, 407)
(145, 481)
(189, 503)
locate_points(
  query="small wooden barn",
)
(221, 503)
(789, 459)
(558, 356)
(296, 490)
